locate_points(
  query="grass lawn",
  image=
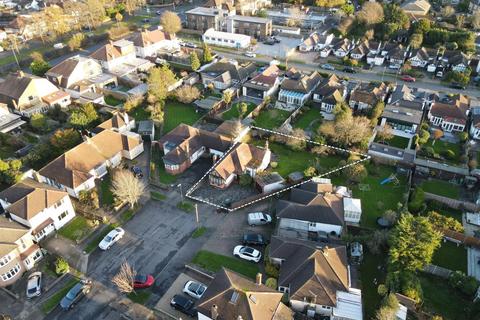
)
(233, 113)
(163, 176)
(290, 161)
(106, 194)
(140, 113)
(214, 262)
(112, 101)
(451, 257)
(371, 268)
(304, 120)
(271, 119)
(199, 232)
(388, 195)
(176, 113)
(127, 215)
(440, 146)
(396, 141)
(441, 188)
(439, 298)
(157, 196)
(54, 300)
(185, 206)
(140, 296)
(75, 229)
(93, 244)
(7, 151)
(445, 211)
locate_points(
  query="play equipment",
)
(392, 177)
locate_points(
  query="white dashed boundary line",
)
(216, 205)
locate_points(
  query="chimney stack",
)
(214, 312)
(36, 176)
(258, 279)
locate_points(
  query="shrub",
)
(61, 266)
(273, 164)
(271, 283)
(245, 180)
(411, 287)
(417, 200)
(429, 152)
(309, 172)
(382, 290)
(271, 270)
(468, 285)
(448, 154)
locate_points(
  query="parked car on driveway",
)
(258, 218)
(247, 253)
(250, 54)
(143, 281)
(34, 285)
(456, 85)
(194, 289)
(112, 237)
(184, 305)
(407, 78)
(327, 66)
(254, 239)
(75, 294)
(349, 70)
(137, 172)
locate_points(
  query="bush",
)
(429, 152)
(417, 200)
(245, 180)
(273, 164)
(411, 286)
(448, 154)
(271, 283)
(271, 270)
(468, 285)
(61, 266)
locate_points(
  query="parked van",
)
(258, 218)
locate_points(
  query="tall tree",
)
(227, 97)
(126, 187)
(385, 133)
(159, 80)
(348, 131)
(207, 53)
(57, 22)
(132, 5)
(194, 61)
(412, 243)
(76, 41)
(371, 13)
(170, 22)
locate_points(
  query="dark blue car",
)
(75, 294)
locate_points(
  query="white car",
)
(194, 289)
(112, 237)
(247, 253)
(258, 218)
(34, 285)
(250, 54)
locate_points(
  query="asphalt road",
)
(363, 75)
(152, 238)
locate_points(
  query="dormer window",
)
(5, 260)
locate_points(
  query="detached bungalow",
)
(264, 84)
(77, 169)
(343, 47)
(316, 279)
(450, 116)
(367, 95)
(226, 73)
(316, 42)
(329, 92)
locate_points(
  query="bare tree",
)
(170, 22)
(348, 131)
(126, 186)
(385, 133)
(132, 5)
(371, 13)
(296, 17)
(448, 11)
(296, 139)
(124, 278)
(187, 94)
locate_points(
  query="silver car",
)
(34, 285)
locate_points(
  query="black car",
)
(254, 239)
(184, 305)
(137, 172)
(269, 41)
(349, 70)
(75, 294)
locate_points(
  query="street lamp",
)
(181, 191)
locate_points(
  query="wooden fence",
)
(453, 203)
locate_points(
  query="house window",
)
(37, 256)
(5, 259)
(24, 246)
(283, 289)
(58, 204)
(12, 273)
(62, 215)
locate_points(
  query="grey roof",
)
(312, 206)
(441, 166)
(145, 126)
(405, 155)
(305, 84)
(249, 19)
(208, 103)
(266, 179)
(400, 113)
(237, 72)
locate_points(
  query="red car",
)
(143, 281)
(408, 79)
